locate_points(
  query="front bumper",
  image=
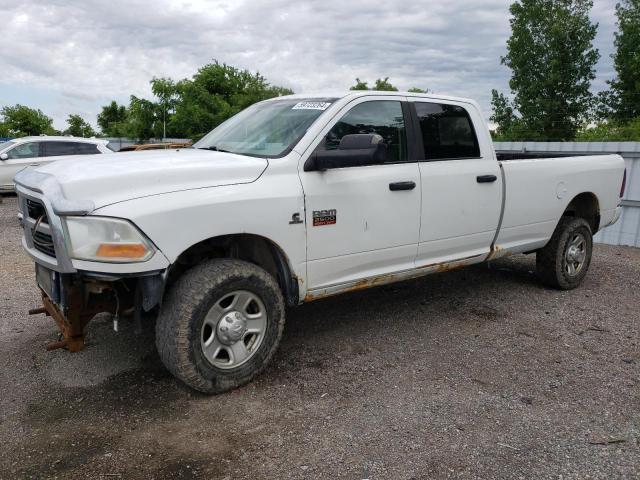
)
(72, 300)
(74, 291)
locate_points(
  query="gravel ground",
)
(476, 373)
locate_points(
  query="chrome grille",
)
(37, 223)
(43, 242)
(36, 211)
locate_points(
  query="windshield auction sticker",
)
(311, 106)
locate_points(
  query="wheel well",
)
(585, 206)
(248, 247)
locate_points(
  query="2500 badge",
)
(324, 217)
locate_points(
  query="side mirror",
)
(3, 156)
(354, 151)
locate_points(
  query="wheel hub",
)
(231, 327)
(575, 254)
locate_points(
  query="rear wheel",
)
(220, 325)
(564, 261)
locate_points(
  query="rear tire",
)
(220, 325)
(564, 261)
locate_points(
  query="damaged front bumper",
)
(74, 291)
(72, 300)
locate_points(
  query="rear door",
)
(357, 226)
(461, 183)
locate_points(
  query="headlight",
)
(105, 239)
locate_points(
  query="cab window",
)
(382, 117)
(54, 149)
(24, 150)
(447, 131)
(86, 149)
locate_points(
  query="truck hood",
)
(107, 179)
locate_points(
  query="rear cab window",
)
(447, 131)
(86, 148)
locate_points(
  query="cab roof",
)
(369, 93)
(58, 138)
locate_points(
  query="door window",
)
(54, 149)
(447, 131)
(382, 117)
(86, 148)
(24, 150)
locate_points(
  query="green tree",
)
(216, 92)
(508, 125)
(144, 120)
(20, 121)
(112, 120)
(552, 59)
(78, 127)
(623, 99)
(381, 84)
(360, 85)
(166, 92)
(611, 131)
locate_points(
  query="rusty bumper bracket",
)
(71, 326)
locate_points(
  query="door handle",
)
(396, 186)
(486, 178)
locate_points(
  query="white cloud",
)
(87, 52)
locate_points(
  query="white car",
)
(292, 200)
(21, 153)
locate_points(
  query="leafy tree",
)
(4, 130)
(381, 84)
(360, 85)
(611, 131)
(112, 120)
(508, 124)
(216, 92)
(78, 127)
(20, 121)
(622, 102)
(143, 119)
(167, 93)
(552, 59)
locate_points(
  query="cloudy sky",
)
(72, 56)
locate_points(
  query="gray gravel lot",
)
(476, 373)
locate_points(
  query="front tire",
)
(564, 261)
(220, 325)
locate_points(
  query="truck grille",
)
(36, 210)
(43, 242)
(39, 226)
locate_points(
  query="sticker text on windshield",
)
(311, 106)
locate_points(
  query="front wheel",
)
(564, 261)
(220, 325)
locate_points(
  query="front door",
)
(358, 224)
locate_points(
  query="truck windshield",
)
(267, 129)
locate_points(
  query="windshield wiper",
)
(214, 148)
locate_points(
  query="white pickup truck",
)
(295, 199)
